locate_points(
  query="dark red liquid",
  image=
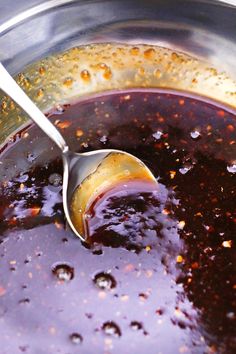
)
(159, 275)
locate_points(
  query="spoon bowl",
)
(85, 175)
(88, 175)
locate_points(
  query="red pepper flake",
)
(159, 312)
(219, 140)
(12, 221)
(63, 125)
(129, 268)
(198, 214)
(195, 265)
(158, 146)
(149, 273)
(209, 128)
(183, 142)
(2, 291)
(58, 225)
(35, 210)
(79, 133)
(166, 211)
(161, 119)
(230, 128)
(209, 228)
(221, 113)
(181, 102)
(179, 259)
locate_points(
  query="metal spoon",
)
(85, 175)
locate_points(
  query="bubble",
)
(23, 178)
(134, 51)
(60, 109)
(195, 134)
(40, 93)
(149, 53)
(76, 338)
(31, 157)
(104, 281)
(68, 82)
(85, 75)
(136, 326)
(158, 73)
(63, 271)
(232, 168)
(24, 301)
(107, 74)
(28, 259)
(42, 70)
(110, 328)
(157, 135)
(55, 179)
(23, 348)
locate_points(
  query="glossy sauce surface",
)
(159, 275)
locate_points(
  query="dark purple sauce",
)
(159, 273)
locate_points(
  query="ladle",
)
(85, 174)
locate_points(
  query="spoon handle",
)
(12, 89)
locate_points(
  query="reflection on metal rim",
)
(21, 17)
(6, 26)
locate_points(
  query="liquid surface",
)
(159, 275)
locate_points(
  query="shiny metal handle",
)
(12, 89)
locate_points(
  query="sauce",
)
(159, 273)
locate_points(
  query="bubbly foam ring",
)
(90, 69)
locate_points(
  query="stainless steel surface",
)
(200, 27)
(77, 167)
